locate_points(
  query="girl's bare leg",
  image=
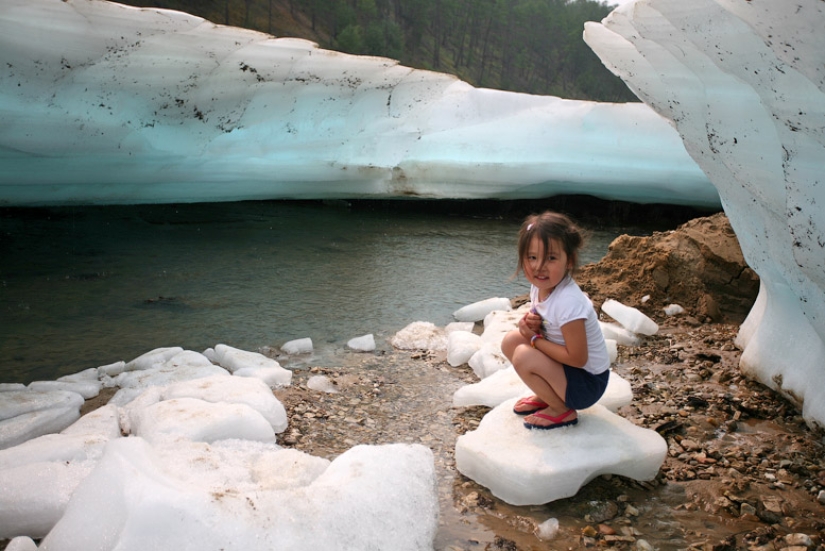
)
(543, 375)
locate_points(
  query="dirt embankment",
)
(698, 266)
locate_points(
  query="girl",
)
(558, 349)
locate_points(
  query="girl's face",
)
(549, 274)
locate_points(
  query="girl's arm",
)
(574, 351)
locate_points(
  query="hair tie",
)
(529, 227)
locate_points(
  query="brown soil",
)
(698, 266)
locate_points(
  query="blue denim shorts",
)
(583, 388)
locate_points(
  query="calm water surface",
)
(83, 287)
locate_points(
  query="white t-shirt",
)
(566, 303)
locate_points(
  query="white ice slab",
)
(34, 496)
(87, 389)
(27, 414)
(364, 343)
(673, 310)
(234, 390)
(53, 448)
(91, 374)
(111, 370)
(199, 421)
(490, 391)
(22, 543)
(23, 400)
(459, 326)
(321, 384)
(612, 350)
(498, 323)
(197, 496)
(150, 359)
(506, 384)
(619, 334)
(420, 335)
(234, 359)
(273, 377)
(461, 345)
(531, 467)
(488, 360)
(102, 421)
(38, 476)
(298, 346)
(183, 366)
(478, 310)
(631, 318)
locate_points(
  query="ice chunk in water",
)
(420, 335)
(365, 343)
(478, 310)
(298, 346)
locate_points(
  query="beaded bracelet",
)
(533, 339)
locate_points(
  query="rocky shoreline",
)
(743, 470)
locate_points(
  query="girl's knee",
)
(509, 343)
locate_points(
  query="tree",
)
(351, 40)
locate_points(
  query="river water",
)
(87, 286)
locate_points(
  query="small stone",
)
(601, 511)
(589, 532)
(619, 539)
(799, 540)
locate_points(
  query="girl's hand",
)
(529, 325)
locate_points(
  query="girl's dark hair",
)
(550, 225)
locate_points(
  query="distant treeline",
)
(532, 46)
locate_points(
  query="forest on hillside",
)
(532, 46)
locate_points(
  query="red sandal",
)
(557, 421)
(534, 401)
